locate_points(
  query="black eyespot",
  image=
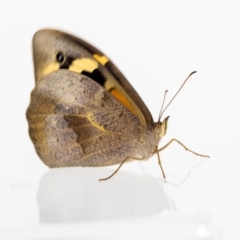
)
(60, 57)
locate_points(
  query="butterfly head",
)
(161, 127)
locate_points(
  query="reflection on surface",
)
(75, 194)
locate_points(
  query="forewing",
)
(81, 57)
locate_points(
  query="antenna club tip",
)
(193, 72)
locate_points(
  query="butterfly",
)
(83, 111)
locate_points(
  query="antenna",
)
(165, 94)
(161, 112)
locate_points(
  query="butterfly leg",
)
(104, 179)
(160, 164)
(187, 149)
(165, 146)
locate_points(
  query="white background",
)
(156, 44)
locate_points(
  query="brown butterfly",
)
(83, 111)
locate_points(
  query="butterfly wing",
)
(81, 57)
(83, 111)
(74, 121)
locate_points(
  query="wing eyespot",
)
(60, 57)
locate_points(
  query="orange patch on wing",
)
(122, 99)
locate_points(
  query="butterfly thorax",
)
(148, 142)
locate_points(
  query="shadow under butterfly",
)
(73, 194)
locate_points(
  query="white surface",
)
(156, 44)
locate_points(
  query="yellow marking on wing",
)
(122, 99)
(51, 68)
(101, 58)
(99, 126)
(94, 122)
(109, 84)
(83, 64)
